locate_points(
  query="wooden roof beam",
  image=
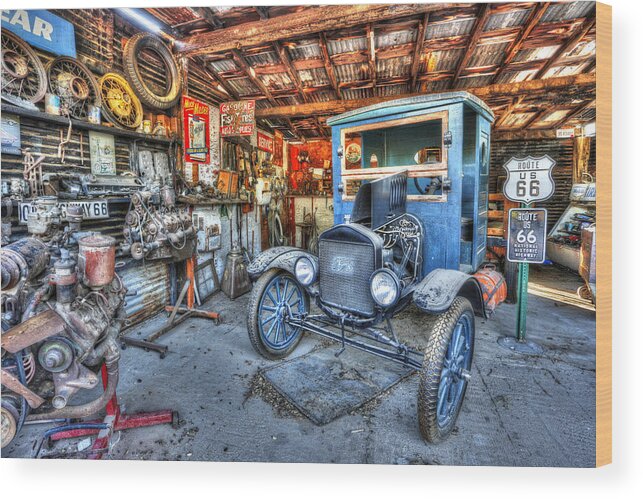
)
(298, 24)
(247, 69)
(290, 69)
(207, 15)
(533, 20)
(537, 117)
(517, 101)
(222, 81)
(330, 70)
(370, 45)
(575, 112)
(571, 42)
(417, 53)
(483, 14)
(512, 89)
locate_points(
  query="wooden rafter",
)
(571, 42)
(417, 53)
(216, 79)
(481, 20)
(263, 12)
(292, 72)
(539, 115)
(534, 18)
(574, 113)
(513, 89)
(330, 70)
(370, 46)
(298, 24)
(516, 102)
(209, 17)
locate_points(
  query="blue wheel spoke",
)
(270, 318)
(285, 291)
(269, 294)
(287, 299)
(269, 309)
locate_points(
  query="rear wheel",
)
(446, 370)
(275, 296)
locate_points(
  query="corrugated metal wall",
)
(559, 150)
(151, 283)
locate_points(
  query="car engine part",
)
(155, 228)
(62, 310)
(23, 75)
(152, 94)
(76, 86)
(120, 104)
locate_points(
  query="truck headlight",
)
(385, 287)
(305, 270)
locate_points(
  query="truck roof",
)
(412, 104)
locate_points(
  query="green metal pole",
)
(523, 283)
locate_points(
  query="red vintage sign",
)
(278, 156)
(196, 130)
(264, 142)
(237, 118)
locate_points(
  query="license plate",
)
(92, 210)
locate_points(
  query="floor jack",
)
(114, 420)
(178, 314)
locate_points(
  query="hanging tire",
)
(147, 95)
(23, 76)
(446, 370)
(273, 295)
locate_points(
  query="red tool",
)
(115, 420)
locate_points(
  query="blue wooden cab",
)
(442, 141)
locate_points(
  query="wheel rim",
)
(282, 297)
(457, 363)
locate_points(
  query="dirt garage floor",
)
(519, 410)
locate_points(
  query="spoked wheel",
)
(275, 296)
(446, 370)
(23, 75)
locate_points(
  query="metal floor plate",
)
(324, 387)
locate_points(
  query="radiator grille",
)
(344, 272)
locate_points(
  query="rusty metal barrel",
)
(26, 258)
(97, 259)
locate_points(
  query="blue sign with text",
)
(41, 29)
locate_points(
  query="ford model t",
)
(410, 206)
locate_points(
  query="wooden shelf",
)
(83, 125)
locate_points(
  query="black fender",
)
(438, 289)
(280, 257)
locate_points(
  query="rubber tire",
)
(253, 315)
(511, 278)
(35, 60)
(134, 45)
(436, 350)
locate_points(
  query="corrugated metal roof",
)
(562, 11)
(277, 81)
(243, 86)
(390, 68)
(488, 54)
(537, 54)
(507, 19)
(517, 76)
(290, 100)
(474, 81)
(440, 60)
(583, 49)
(224, 65)
(313, 77)
(554, 116)
(304, 49)
(517, 119)
(262, 59)
(324, 95)
(393, 90)
(351, 72)
(357, 93)
(447, 29)
(566, 70)
(395, 38)
(438, 86)
(342, 46)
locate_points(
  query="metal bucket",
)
(97, 259)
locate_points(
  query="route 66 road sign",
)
(529, 179)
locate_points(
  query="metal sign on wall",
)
(41, 29)
(527, 235)
(529, 179)
(237, 118)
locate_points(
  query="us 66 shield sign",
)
(527, 234)
(529, 179)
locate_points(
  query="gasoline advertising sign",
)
(237, 118)
(527, 235)
(529, 179)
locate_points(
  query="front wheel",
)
(276, 296)
(446, 370)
